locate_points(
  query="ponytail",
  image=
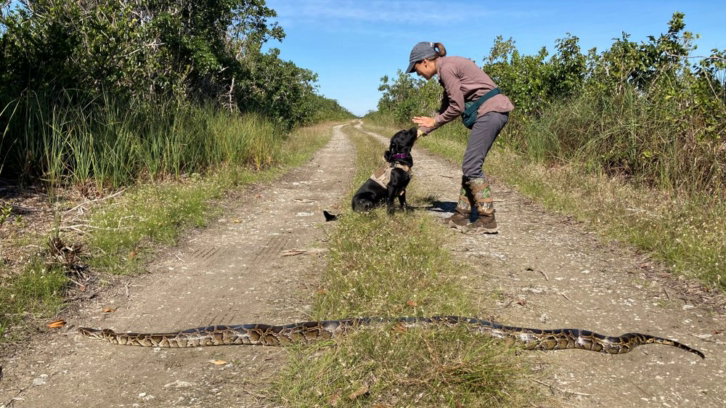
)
(440, 50)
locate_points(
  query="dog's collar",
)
(401, 156)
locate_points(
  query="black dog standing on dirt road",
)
(390, 180)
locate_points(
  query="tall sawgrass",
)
(638, 169)
(113, 143)
(651, 140)
(153, 214)
(648, 141)
(120, 233)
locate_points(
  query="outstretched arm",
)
(425, 124)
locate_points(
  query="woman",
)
(465, 85)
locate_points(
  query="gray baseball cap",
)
(419, 52)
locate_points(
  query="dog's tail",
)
(329, 216)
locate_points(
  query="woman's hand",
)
(424, 121)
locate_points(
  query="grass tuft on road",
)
(396, 266)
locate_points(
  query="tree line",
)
(141, 57)
(648, 111)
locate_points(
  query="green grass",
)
(37, 293)
(396, 266)
(112, 144)
(154, 214)
(123, 232)
(650, 142)
(147, 217)
(416, 368)
(685, 231)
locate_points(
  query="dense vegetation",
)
(648, 112)
(113, 90)
(629, 140)
(100, 94)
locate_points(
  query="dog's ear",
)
(387, 155)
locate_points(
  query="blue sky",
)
(352, 44)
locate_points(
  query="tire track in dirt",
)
(230, 273)
(544, 271)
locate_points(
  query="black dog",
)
(388, 181)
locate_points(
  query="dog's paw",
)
(329, 216)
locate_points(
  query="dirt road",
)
(540, 271)
(545, 271)
(232, 272)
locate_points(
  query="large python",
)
(267, 335)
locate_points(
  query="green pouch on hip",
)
(471, 109)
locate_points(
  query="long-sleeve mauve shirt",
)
(463, 82)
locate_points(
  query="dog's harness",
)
(382, 175)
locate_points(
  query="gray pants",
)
(483, 134)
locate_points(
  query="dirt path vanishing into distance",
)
(542, 270)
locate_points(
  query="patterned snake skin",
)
(267, 335)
